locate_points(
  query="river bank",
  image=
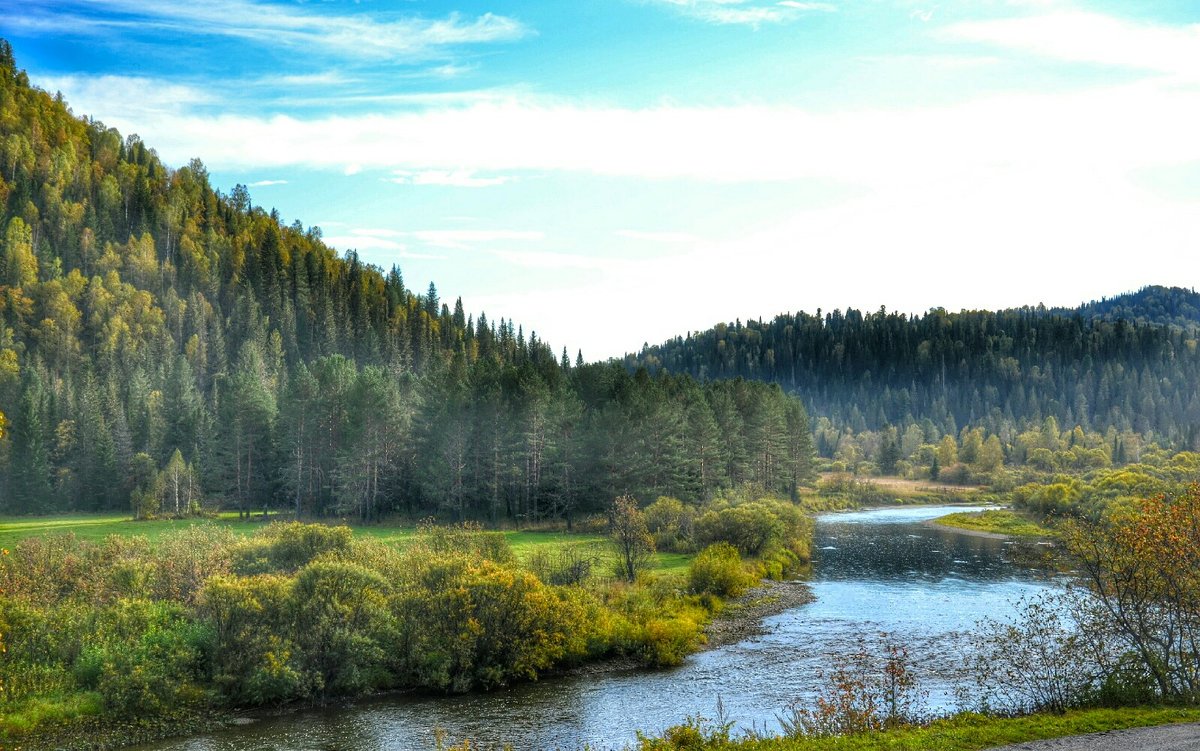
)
(1148, 728)
(743, 618)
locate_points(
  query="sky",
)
(615, 172)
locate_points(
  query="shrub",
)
(344, 627)
(757, 528)
(286, 546)
(718, 570)
(253, 657)
(632, 541)
(869, 689)
(467, 538)
(1034, 662)
(671, 523)
(566, 565)
(467, 624)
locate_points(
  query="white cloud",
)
(454, 178)
(327, 78)
(746, 12)
(543, 260)
(1021, 235)
(822, 7)
(658, 237)
(376, 232)
(358, 35)
(266, 183)
(143, 98)
(1134, 125)
(352, 169)
(465, 238)
(364, 240)
(384, 238)
(1079, 36)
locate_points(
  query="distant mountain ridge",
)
(1174, 306)
(1129, 363)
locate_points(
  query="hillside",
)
(1173, 306)
(1113, 364)
(163, 344)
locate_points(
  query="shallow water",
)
(878, 570)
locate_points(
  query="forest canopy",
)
(164, 346)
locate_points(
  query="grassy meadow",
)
(96, 527)
(996, 521)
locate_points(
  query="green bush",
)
(150, 659)
(468, 538)
(671, 524)
(757, 528)
(287, 546)
(467, 624)
(718, 570)
(344, 629)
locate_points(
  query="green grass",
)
(95, 527)
(997, 521)
(972, 732)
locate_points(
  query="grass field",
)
(95, 527)
(996, 521)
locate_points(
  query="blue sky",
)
(610, 172)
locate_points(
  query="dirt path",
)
(1162, 738)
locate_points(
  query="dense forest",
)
(168, 346)
(1129, 364)
(1173, 306)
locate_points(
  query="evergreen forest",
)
(1125, 365)
(167, 347)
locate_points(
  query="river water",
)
(882, 570)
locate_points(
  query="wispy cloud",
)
(451, 178)
(267, 183)
(144, 98)
(657, 237)
(325, 78)
(868, 147)
(378, 240)
(465, 238)
(358, 35)
(747, 12)
(384, 238)
(1078, 36)
(533, 259)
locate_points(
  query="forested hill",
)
(160, 341)
(1173, 306)
(1108, 364)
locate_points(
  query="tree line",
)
(163, 345)
(1130, 364)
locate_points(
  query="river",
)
(880, 570)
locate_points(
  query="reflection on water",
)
(879, 570)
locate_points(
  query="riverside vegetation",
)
(1114, 649)
(166, 348)
(129, 636)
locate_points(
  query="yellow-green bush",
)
(718, 570)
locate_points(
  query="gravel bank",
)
(743, 618)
